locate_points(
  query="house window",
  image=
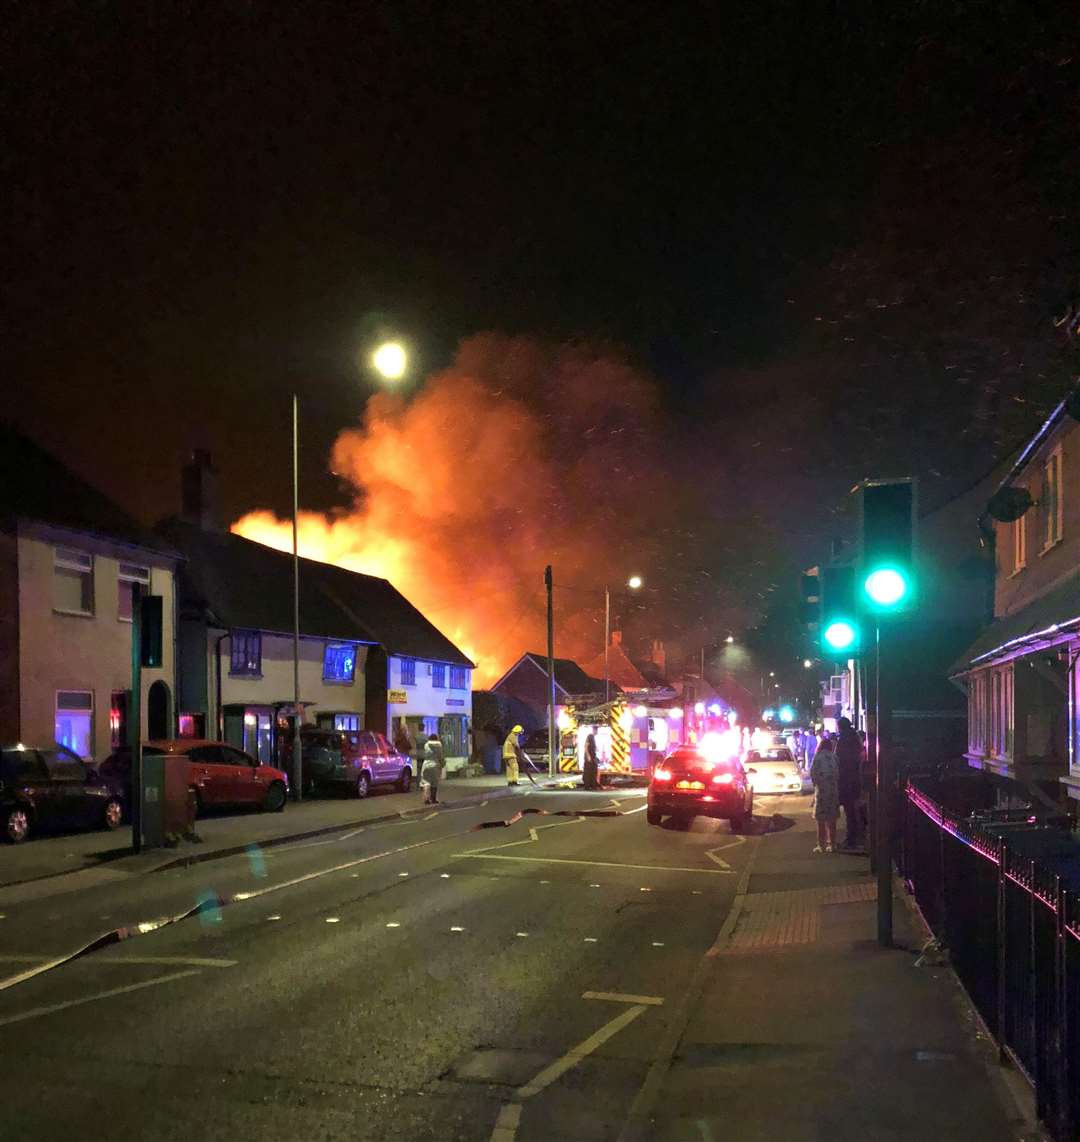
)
(408, 672)
(339, 662)
(1050, 500)
(347, 722)
(74, 726)
(977, 715)
(130, 579)
(73, 581)
(459, 678)
(246, 651)
(438, 675)
(1020, 544)
(1000, 713)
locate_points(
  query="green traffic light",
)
(839, 635)
(886, 587)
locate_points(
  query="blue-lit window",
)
(438, 675)
(246, 653)
(339, 662)
(348, 722)
(408, 672)
(459, 678)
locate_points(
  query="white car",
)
(772, 769)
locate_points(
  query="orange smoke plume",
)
(516, 456)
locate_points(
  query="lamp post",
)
(635, 583)
(390, 360)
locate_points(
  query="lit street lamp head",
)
(390, 360)
(635, 582)
(730, 639)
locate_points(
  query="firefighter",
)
(511, 752)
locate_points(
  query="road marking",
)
(657, 944)
(37, 1012)
(618, 997)
(590, 863)
(574, 1056)
(183, 961)
(455, 928)
(507, 1123)
(333, 919)
(590, 939)
(630, 812)
(276, 916)
(393, 924)
(533, 835)
(403, 874)
(522, 935)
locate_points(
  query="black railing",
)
(1001, 892)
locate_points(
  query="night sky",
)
(837, 234)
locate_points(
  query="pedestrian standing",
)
(511, 752)
(849, 752)
(824, 773)
(590, 769)
(432, 769)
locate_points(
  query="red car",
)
(686, 784)
(221, 774)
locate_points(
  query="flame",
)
(517, 456)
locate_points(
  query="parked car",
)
(358, 760)
(219, 773)
(53, 788)
(688, 785)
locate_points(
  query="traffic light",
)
(810, 589)
(841, 633)
(887, 550)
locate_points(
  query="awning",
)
(1050, 618)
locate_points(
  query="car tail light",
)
(662, 774)
(723, 778)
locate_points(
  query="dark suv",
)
(53, 788)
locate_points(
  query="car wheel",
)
(114, 814)
(16, 825)
(363, 785)
(275, 799)
(405, 781)
(653, 816)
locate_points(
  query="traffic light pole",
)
(134, 714)
(883, 824)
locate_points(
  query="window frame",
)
(1019, 544)
(127, 579)
(71, 559)
(438, 675)
(407, 671)
(246, 669)
(1052, 521)
(459, 678)
(87, 711)
(334, 679)
(1000, 713)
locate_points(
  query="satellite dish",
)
(1008, 504)
(1072, 404)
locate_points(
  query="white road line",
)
(507, 1123)
(574, 1056)
(182, 961)
(591, 863)
(618, 997)
(37, 1012)
(629, 812)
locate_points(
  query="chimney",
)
(199, 492)
(616, 638)
(659, 655)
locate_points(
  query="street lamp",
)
(390, 361)
(807, 663)
(730, 639)
(635, 583)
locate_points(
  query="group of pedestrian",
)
(836, 771)
(430, 758)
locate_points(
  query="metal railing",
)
(1001, 892)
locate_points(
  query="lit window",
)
(1050, 500)
(1020, 544)
(438, 675)
(339, 662)
(246, 653)
(73, 581)
(408, 672)
(75, 721)
(459, 678)
(347, 722)
(130, 578)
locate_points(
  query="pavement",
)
(544, 967)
